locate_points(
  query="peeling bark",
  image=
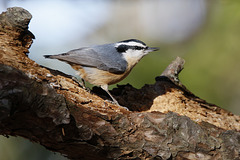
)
(165, 121)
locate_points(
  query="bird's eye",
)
(138, 48)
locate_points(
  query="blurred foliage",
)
(212, 58)
(17, 148)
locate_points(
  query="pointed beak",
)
(151, 49)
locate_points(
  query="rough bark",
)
(164, 121)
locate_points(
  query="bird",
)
(106, 64)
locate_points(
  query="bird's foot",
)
(115, 102)
(81, 83)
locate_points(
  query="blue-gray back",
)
(104, 57)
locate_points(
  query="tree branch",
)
(165, 121)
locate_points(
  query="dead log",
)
(164, 121)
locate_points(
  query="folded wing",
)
(104, 58)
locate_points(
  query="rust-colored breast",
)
(99, 77)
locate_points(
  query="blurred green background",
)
(205, 33)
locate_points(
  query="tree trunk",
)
(164, 120)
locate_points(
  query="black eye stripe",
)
(137, 47)
(124, 48)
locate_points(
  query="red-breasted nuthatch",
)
(106, 64)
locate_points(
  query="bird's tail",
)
(48, 56)
(57, 56)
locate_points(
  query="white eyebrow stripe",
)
(130, 44)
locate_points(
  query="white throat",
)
(133, 56)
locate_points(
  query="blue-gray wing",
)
(104, 58)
